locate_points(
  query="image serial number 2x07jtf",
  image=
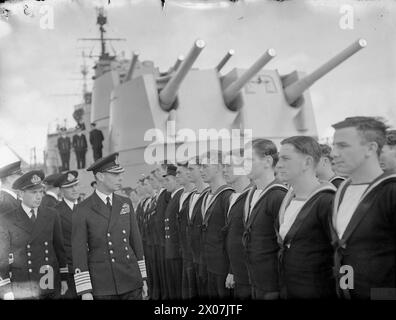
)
(224, 310)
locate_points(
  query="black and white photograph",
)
(198, 155)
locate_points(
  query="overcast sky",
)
(37, 66)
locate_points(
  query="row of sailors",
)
(210, 233)
(66, 249)
(261, 239)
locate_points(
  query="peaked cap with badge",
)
(30, 180)
(67, 179)
(107, 164)
(10, 169)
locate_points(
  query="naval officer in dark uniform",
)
(69, 189)
(64, 147)
(32, 255)
(107, 249)
(96, 139)
(8, 198)
(80, 147)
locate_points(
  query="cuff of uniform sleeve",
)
(64, 272)
(83, 283)
(142, 267)
(5, 287)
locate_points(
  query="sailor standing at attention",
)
(364, 212)
(107, 248)
(306, 254)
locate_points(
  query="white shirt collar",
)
(70, 203)
(176, 191)
(103, 196)
(28, 209)
(11, 193)
(52, 194)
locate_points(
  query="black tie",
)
(33, 216)
(108, 203)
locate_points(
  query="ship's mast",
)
(84, 72)
(101, 20)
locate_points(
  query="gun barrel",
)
(168, 94)
(233, 89)
(295, 90)
(178, 62)
(225, 59)
(135, 56)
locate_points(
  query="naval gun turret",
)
(271, 105)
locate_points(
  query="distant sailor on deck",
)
(96, 139)
(64, 146)
(80, 148)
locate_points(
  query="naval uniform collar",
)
(176, 191)
(52, 194)
(28, 210)
(103, 196)
(70, 204)
(11, 193)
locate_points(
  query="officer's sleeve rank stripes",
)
(83, 282)
(4, 282)
(5, 288)
(64, 270)
(142, 267)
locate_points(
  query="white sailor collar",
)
(11, 193)
(52, 194)
(176, 191)
(341, 190)
(324, 186)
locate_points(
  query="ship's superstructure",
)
(131, 99)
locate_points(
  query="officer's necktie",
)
(108, 203)
(32, 216)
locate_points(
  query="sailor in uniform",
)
(237, 278)
(107, 249)
(139, 208)
(306, 254)
(32, 254)
(259, 215)
(194, 226)
(364, 216)
(173, 256)
(8, 197)
(157, 268)
(51, 197)
(388, 153)
(215, 206)
(324, 170)
(163, 199)
(69, 189)
(189, 290)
